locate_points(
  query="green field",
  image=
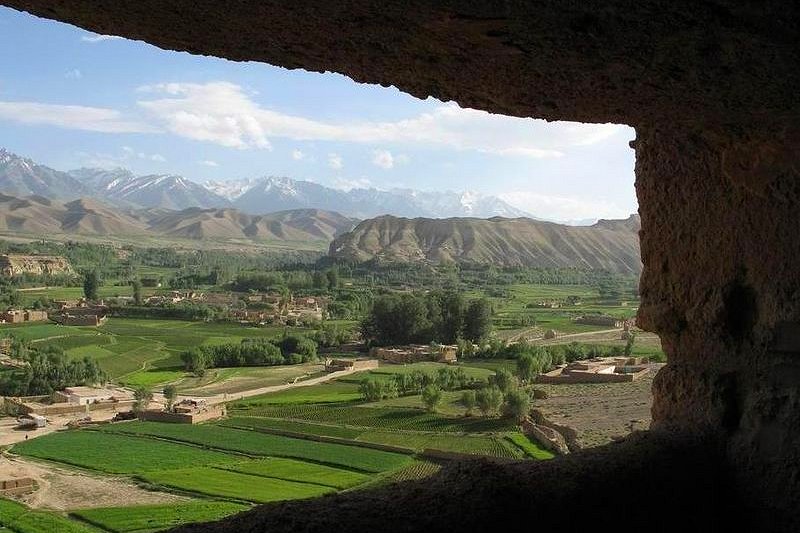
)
(531, 449)
(262, 444)
(306, 428)
(117, 453)
(333, 392)
(138, 351)
(365, 416)
(19, 519)
(291, 470)
(146, 518)
(224, 483)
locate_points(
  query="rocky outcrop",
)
(16, 265)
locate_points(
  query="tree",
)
(525, 367)
(431, 397)
(488, 399)
(629, 344)
(468, 401)
(503, 379)
(320, 280)
(137, 292)
(478, 320)
(91, 282)
(142, 397)
(371, 389)
(333, 278)
(517, 404)
(170, 394)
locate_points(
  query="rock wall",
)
(15, 265)
(720, 285)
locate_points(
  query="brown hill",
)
(39, 215)
(610, 244)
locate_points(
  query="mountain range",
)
(609, 244)
(37, 215)
(120, 187)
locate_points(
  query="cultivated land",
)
(301, 442)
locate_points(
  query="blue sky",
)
(70, 98)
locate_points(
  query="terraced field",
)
(261, 444)
(359, 415)
(137, 351)
(19, 519)
(144, 518)
(224, 483)
(291, 470)
(117, 453)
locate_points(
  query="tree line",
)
(46, 370)
(290, 350)
(438, 316)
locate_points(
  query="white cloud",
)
(92, 38)
(73, 74)
(223, 113)
(297, 155)
(561, 208)
(130, 153)
(72, 117)
(209, 163)
(383, 159)
(335, 161)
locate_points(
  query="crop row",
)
(378, 417)
(157, 517)
(255, 443)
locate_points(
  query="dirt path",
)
(63, 490)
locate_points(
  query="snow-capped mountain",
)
(120, 187)
(20, 176)
(157, 190)
(231, 189)
(279, 193)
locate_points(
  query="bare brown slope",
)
(610, 244)
(36, 214)
(295, 225)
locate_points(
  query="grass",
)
(19, 519)
(262, 444)
(466, 444)
(364, 416)
(333, 392)
(146, 518)
(291, 470)
(531, 449)
(217, 482)
(117, 453)
(134, 351)
(306, 428)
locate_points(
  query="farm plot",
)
(143, 518)
(466, 444)
(255, 443)
(376, 417)
(333, 392)
(306, 428)
(217, 482)
(117, 453)
(20, 519)
(291, 470)
(529, 448)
